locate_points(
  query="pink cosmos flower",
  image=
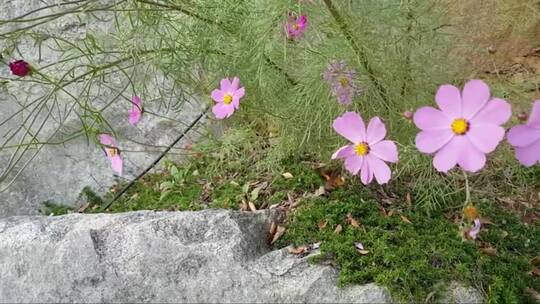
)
(136, 110)
(227, 98)
(112, 152)
(295, 26)
(20, 68)
(526, 138)
(368, 152)
(473, 232)
(467, 126)
(342, 80)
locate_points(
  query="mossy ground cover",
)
(412, 250)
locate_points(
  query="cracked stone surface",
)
(207, 256)
(59, 172)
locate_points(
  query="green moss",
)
(51, 208)
(412, 259)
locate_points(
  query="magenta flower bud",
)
(20, 68)
(408, 115)
(523, 116)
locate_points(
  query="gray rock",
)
(462, 294)
(59, 172)
(207, 256)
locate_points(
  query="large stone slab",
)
(207, 257)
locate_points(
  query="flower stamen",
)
(460, 126)
(361, 149)
(344, 82)
(112, 152)
(227, 99)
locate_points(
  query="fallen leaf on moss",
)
(320, 192)
(333, 179)
(405, 219)
(352, 221)
(297, 250)
(536, 272)
(408, 199)
(322, 224)
(338, 229)
(287, 175)
(489, 250)
(535, 261)
(360, 248)
(252, 207)
(279, 233)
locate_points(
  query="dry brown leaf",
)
(338, 229)
(287, 175)
(279, 233)
(533, 293)
(322, 224)
(360, 248)
(535, 261)
(536, 271)
(244, 206)
(273, 228)
(390, 213)
(489, 250)
(333, 179)
(362, 252)
(352, 221)
(320, 192)
(298, 250)
(485, 221)
(83, 207)
(405, 219)
(408, 199)
(252, 207)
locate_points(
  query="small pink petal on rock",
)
(136, 110)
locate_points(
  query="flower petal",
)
(496, 112)
(485, 137)
(475, 95)
(470, 158)
(376, 131)
(475, 229)
(385, 150)
(344, 152)
(217, 95)
(235, 84)
(448, 99)
(534, 118)
(354, 163)
(380, 169)
(428, 118)
(117, 164)
(351, 126)
(222, 110)
(107, 140)
(447, 157)
(134, 116)
(523, 135)
(225, 85)
(432, 141)
(239, 93)
(528, 155)
(366, 175)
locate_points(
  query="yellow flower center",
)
(361, 149)
(344, 81)
(296, 26)
(227, 99)
(112, 152)
(470, 212)
(460, 126)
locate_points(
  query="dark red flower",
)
(20, 68)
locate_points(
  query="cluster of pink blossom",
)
(466, 126)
